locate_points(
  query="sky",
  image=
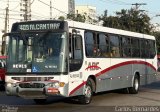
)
(152, 7)
(41, 11)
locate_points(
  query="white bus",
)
(67, 58)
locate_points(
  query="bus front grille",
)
(24, 79)
(31, 85)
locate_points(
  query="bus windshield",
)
(37, 52)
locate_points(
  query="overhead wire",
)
(40, 14)
(52, 7)
(9, 1)
(32, 2)
(125, 3)
(33, 15)
(9, 14)
(15, 7)
(10, 18)
(116, 2)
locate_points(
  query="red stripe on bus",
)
(78, 87)
(123, 64)
(113, 67)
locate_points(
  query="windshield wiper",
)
(23, 38)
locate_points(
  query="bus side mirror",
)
(1, 65)
(3, 47)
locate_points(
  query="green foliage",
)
(61, 18)
(157, 35)
(78, 17)
(131, 20)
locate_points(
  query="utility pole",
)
(6, 20)
(50, 9)
(105, 13)
(137, 5)
(6, 29)
(25, 9)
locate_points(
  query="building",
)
(88, 11)
(62, 8)
(71, 5)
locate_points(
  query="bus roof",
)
(80, 25)
(86, 26)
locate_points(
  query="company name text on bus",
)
(50, 26)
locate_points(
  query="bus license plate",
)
(52, 90)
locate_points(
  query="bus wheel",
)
(40, 101)
(135, 88)
(87, 97)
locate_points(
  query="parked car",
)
(2, 71)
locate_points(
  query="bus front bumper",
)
(31, 93)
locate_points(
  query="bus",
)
(73, 59)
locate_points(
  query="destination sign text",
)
(49, 26)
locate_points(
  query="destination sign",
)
(42, 26)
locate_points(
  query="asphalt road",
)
(148, 100)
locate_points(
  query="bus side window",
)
(114, 45)
(135, 48)
(104, 44)
(78, 47)
(126, 46)
(89, 44)
(147, 48)
(152, 49)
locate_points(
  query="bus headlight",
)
(56, 84)
(9, 85)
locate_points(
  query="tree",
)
(157, 35)
(76, 17)
(131, 20)
(61, 18)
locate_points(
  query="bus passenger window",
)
(89, 44)
(135, 47)
(104, 44)
(152, 49)
(126, 47)
(114, 45)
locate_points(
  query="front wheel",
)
(135, 88)
(87, 97)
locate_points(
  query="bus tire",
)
(135, 88)
(40, 101)
(87, 97)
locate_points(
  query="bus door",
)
(75, 61)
